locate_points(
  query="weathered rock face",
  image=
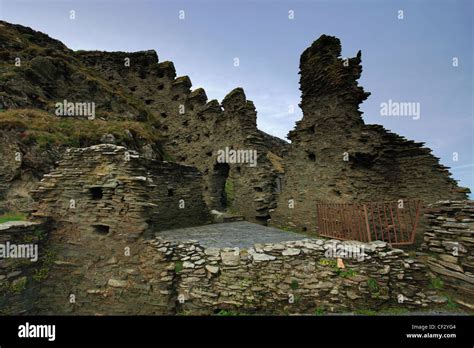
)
(38, 71)
(21, 166)
(196, 129)
(449, 239)
(335, 157)
(107, 189)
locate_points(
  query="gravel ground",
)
(240, 234)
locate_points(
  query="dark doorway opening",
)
(221, 186)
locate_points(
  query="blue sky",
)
(407, 60)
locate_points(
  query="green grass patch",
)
(451, 304)
(294, 285)
(320, 311)
(46, 129)
(12, 217)
(436, 284)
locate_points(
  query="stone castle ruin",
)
(333, 155)
(335, 158)
(197, 129)
(98, 212)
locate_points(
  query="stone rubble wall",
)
(293, 277)
(20, 277)
(106, 275)
(449, 241)
(133, 194)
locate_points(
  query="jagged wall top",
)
(323, 71)
(325, 74)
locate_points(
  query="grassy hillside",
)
(43, 128)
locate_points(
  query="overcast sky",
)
(404, 60)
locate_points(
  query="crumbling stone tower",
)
(334, 157)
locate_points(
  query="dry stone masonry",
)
(90, 274)
(109, 189)
(296, 277)
(449, 240)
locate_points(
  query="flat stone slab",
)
(241, 234)
(9, 224)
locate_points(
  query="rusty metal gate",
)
(392, 222)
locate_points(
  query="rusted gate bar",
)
(392, 222)
(367, 224)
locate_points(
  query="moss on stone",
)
(373, 285)
(178, 266)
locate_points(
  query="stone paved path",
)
(240, 234)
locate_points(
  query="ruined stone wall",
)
(98, 275)
(94, 274)
(449, 242)
(197, 128)
(296, 277)
(108, 189)
(20, 277)
(334, 157)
